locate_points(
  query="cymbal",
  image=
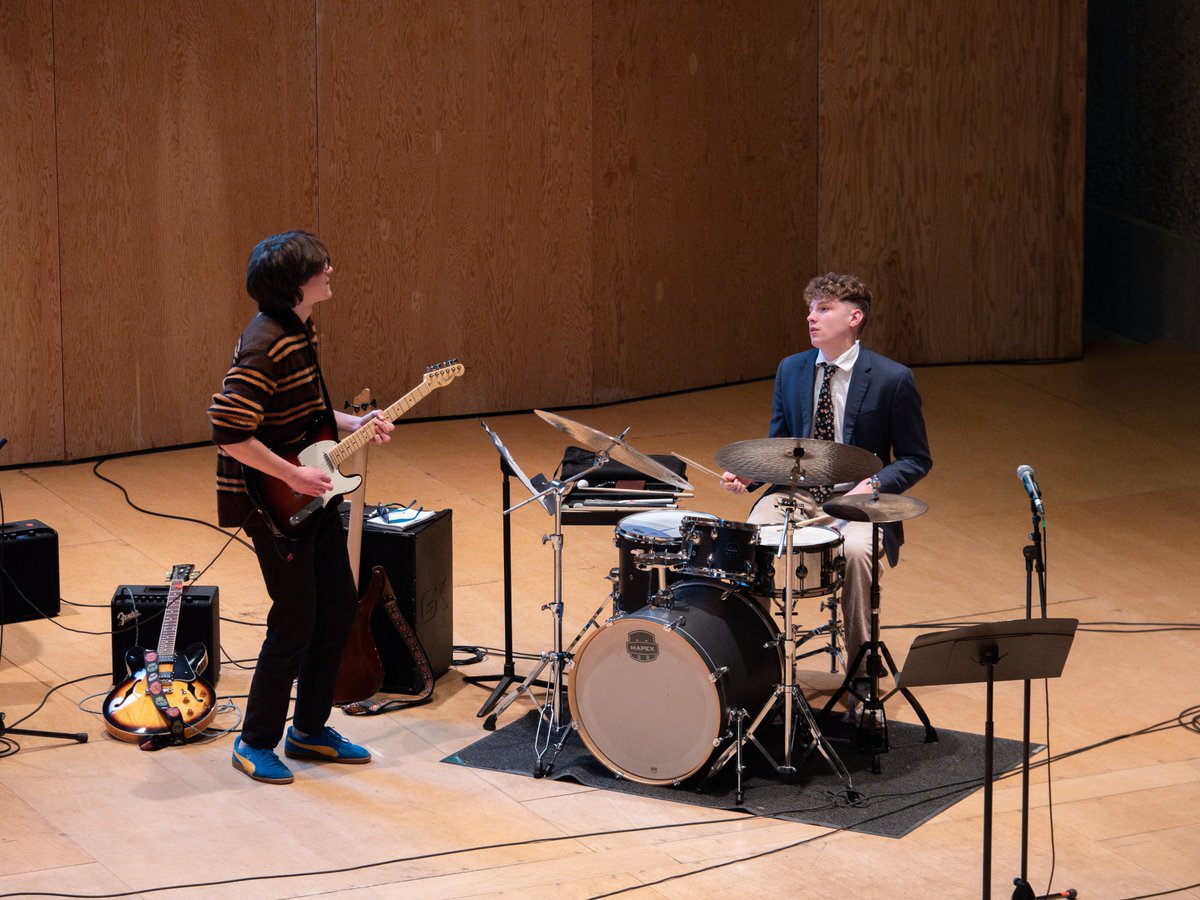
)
(877, 510)
(821, 462)
(615, 447)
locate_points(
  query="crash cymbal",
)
(877, 510)
(821, 462)
(615, 447)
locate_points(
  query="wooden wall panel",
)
(952, 172)
(455, 194)
(704, 189)
(30, 338)
(186, 132)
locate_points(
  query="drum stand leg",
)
(872, 720)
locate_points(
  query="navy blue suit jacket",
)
(883, 415)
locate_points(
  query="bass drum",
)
(651, 692)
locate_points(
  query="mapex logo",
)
(641, 646)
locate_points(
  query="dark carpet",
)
(918, 779)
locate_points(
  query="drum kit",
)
(691, 663)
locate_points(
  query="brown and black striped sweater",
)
(271, 392)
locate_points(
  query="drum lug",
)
(717, 674)
(671, 626)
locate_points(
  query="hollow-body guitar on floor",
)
(164, 699)
(288, 511)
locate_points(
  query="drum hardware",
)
(878, 509)
(551, 711)
(649, 542)
(786, 697)
(832, 628)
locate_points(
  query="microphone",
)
(1025, 473)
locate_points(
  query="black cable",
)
(150, 512)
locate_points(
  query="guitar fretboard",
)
(358, 439)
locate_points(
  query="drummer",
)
(861, 398)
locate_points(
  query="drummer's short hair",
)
(847, 288)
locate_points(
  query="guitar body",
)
(287, 511)
(276, 498)
(361, 672)
(130, 713)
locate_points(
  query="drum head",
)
(657, 525)
(810, 537)
(645, 696)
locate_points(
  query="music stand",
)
(508, 467)
(1015, 650)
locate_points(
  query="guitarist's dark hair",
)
(279, 265)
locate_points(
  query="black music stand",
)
(508, 468)
(1015, 650)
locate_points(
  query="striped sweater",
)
(272, 392)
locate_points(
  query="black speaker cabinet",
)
(137, 611)
(419, 562)
(29, 587)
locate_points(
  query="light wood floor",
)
(1113, 439)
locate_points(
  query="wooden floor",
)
(1113, 439)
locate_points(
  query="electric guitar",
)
(164, 695)
(288, 511)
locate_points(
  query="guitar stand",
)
(872, 718)
(787, 698)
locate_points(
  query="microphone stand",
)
(1034, 561)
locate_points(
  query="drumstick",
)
(697, 465)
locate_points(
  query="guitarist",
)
(269, 398)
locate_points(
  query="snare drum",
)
(716, 548)
(817, 551)
(654, 533)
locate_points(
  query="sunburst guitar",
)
(164, 698)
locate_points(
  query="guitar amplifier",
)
(29, 587)
(419, 562)
(137, 611)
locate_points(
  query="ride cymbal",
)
(773, 460)
(614, 447)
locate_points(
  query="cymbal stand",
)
(786, 696)
(553, 725)
(872, 718)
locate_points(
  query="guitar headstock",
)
(181, 572)
(441, 374)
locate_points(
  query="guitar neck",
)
(170, 619)
(359, 438)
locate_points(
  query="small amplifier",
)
(29, 587)
(137, 611)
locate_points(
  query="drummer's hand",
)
(735, 484)
(863, 487)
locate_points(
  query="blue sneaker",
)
(261, 765)
(328, 746)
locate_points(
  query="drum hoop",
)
(835, 539)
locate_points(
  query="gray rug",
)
(918, 779)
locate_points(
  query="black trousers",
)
(313, 604)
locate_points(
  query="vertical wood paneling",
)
(705, 170)
(952, 172)
(31, 404)
(455, 190)
(186, 132)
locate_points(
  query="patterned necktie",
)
(823, 429)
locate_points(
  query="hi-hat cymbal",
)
(615, 447)
(877, 510)
(820, 462)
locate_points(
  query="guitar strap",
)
(420, 661)
(154, 687)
